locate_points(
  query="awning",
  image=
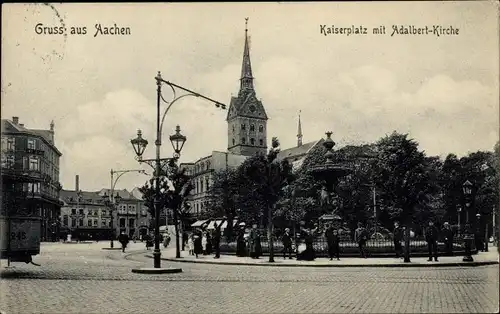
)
(199, 223)
(224, 225)
(211, 225)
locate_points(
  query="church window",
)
(261, 142)
(243, 126)
(243, 140)
(252, 128)
(234, 141)
(261, 128)
(252, 141)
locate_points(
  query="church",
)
(246, 137)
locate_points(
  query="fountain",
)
(328, 174)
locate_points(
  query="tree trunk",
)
(407, 242)
(176, 226)
(270, 233)
(182, 233)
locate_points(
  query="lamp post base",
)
(468, 258)
(154, 271)
(157, 258)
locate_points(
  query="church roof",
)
(296, 152)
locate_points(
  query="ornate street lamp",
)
(468, 234)
(158, 164)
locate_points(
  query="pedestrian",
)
(332, 239)
(204, 243)
(360, 237)
(254, 242)
(149, 241)
(286, 239)
(190, 244)
(166, 240)
(185, 239)
(123, 239)
(197, 241)
(305, 250)
(209, 243)
(448, 239)
(431, 236)
(217, 236)
(241, 250)
(398, 237)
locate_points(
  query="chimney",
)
(21, 124)
(15, 120)
(77, 183)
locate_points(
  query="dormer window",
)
(261, 128)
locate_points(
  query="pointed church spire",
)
(299, 133)
(246, 80)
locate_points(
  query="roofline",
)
(27, 132)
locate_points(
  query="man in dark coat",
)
(254, 242)
(332, 238)
(360, 237)
(286, 239)
(431, 236)
(448, 239)
(123, 239)
(398, 237)
(216, 237)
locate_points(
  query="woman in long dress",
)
(241, 250)
(204, 243)
(255, 247)
(306, 249)
(198, 248)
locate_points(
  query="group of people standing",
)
(204, 242)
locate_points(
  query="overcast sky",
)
(99, 90)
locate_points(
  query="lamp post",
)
(139, 144)
(459, 211)
(78, 198)
(468, 234)
(111, 203)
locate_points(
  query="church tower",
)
(246, 118)
(299, 133)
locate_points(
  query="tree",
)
(223, 195)
(175, 186)
(401, 171)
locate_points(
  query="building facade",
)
(30, 174)
(85, 215)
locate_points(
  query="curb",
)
(402, 265)
(111, 249)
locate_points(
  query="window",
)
(243, 126)
(201, 185)
(65, 220)
(261, 142)
(81, 211)
(33, 165)
(252, 141)
(109, 224)
(95, 222)
(73, 211)
(252, 128)
(243, 140)
(207, 183)
(122, 222)
(31, 144)
(261, 128)
(73, 222)
(234, 142)
(80, 222)
(103, 223)
(10, 161)
(89, 222)
(233, 128)
(11, 144)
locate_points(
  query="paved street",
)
(84, 278)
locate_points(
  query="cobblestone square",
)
(83, 278)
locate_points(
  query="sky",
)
(442, 91)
